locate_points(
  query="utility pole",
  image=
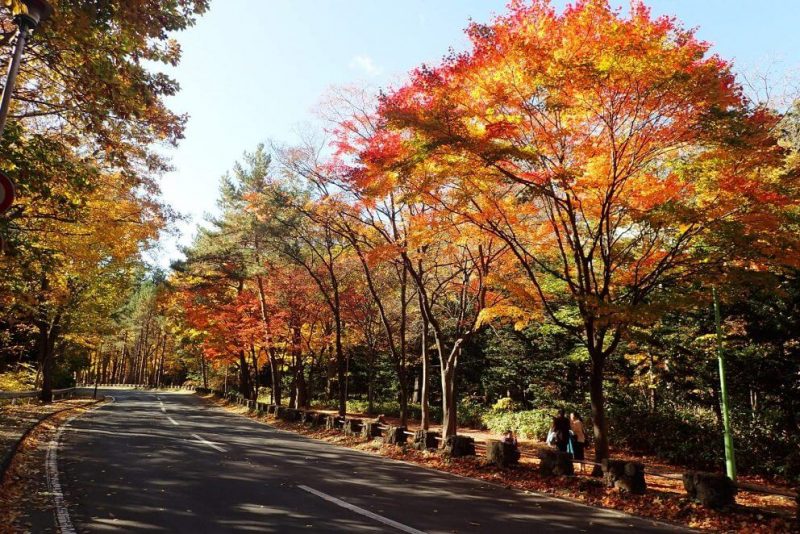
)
(730, 458)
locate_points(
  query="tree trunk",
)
(112, 379)
(273, 366)
(45, 363)
(244, 375)
(275, 371)
(425, 409)
(256, 380)
(141, 373)
(402, 368)
(403, 399)
(302, 391)
(599, 423)
(104, 368)
(48, 338)
(370, 380)
(160, 372)
(293, 387)
(341, 363)
(449, 412)
(330, 377)
(299, 396)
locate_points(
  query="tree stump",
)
(395, 435)
(332, 422)
(309, 417)
(319, 419)
(271, 409)
(502, 454)
(625, 476)
(370, 430)
(458, 446)
(352, 427)
(426, 439)
(712, 490)
(555, 463)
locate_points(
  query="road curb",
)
(5, 463)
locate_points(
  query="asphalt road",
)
(170, 462)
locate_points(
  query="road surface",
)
(171, 462)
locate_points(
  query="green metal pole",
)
(730, 459)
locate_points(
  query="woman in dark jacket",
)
(561, 426)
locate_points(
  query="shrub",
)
(471, 413)
(528, 424)
(684, 437)
(505, 405)
(20, 379)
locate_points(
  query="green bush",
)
(471, 413)
(527, 424)
(20, 379)
(505, 405)
(683, 437)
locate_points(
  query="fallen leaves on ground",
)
(23, 489)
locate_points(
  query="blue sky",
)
(253, 70)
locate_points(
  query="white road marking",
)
(173, 421)
(63, 520)
(358, 510)
(163, 409)
(210, 444)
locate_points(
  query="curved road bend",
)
(170, 462)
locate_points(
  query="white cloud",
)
(366, 65)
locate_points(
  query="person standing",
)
(579, 433)
(561, 427)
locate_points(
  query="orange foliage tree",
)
(613, 154)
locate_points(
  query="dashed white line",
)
(163, 409)
(173, 421)
(209, 443)
(359, 510)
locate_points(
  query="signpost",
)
(7, 193)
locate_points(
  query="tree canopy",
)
(537, 221)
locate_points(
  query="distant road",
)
(170, 462)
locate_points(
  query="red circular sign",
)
(7, 192)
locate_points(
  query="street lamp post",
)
(36, 12)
